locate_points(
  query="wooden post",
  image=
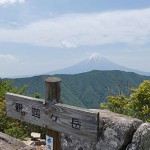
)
(52, 95)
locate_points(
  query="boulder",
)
(69, 142)
(9, 143)
(116, 132)
(35, 136)
(141, 138)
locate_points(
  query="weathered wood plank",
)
(82, 123)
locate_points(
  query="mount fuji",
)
(95, 62)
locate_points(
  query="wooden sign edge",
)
(59, 104)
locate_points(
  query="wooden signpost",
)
(52, 95)
(56, 117)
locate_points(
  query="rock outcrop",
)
(141, 138)
(117, 132)
(9, 143)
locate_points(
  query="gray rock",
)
(9, 143)
(116, 132)
(35, 136)
(27, 148)
(73, 143)
(40, 142)
(141, 138)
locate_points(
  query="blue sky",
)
(39, 36)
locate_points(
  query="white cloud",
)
(68, 44)
(10, 2)
(7, 58)
(130, 26)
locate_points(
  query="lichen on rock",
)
(141, 138)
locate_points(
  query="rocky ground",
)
(117, 132)
(10, 143)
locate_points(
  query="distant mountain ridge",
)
(85, 89)
(95, 62)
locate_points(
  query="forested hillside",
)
(86, 89)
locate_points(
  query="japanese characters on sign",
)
(75, 123)
(35, 112)
(18, 107)
(54, 118)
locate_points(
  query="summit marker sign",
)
(79, 122)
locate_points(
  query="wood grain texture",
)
(67, 116)
(52, 89)
(52, 95)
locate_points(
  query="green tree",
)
(10, 126)
(140, 99)
(137, 105)
(7, 124)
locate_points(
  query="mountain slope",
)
(95, 62)
(86, 89)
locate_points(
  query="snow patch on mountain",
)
(96, 57)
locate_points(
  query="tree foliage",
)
(86, 89)
(7, 124)
(11, 126)
(136, 105)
